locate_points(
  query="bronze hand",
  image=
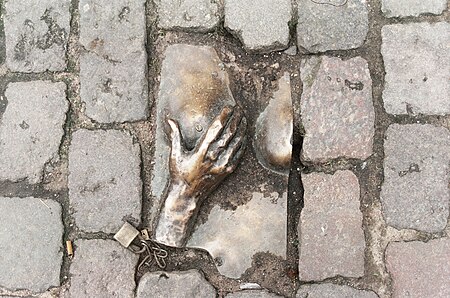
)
(195, 174)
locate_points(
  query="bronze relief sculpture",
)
(194, 174)
(202, 135)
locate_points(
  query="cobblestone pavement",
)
(364, 90)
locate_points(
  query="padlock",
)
(126, 234)
(144, 235)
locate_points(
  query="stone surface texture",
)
(180, 284)
(234, 236)
(330, 228)
(104, 180)
(102, 268)
(332, 291)
(113, 63)
(420, 269)
(192, 15)
(194, 89)
(31, 128)
(31, 233)
(415, 193)
(337, 110)
(405, 8)
(259, 24)
(274, 128)
(326, 25)
(417, 64)
(36, 34)
(252, 294)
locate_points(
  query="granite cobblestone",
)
(113, 61)
(30, 243)
(330, 229)
(31, 128)
(36, 35)
(415, 193)
(104, 180)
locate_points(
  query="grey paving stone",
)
(31, 233)
(31, 128)
(419, 269)
(104, 180)
(36, 34)
(193, 15)
(252, 294)
(180, 284)
(337, 110)
(404, 8)
(192, 77)
(235, 236)
(326, 25)
(332, 291)
(417, 63)
(102, 268)
(415, 193)
(260, 25)
(113, 63)
(330, 228)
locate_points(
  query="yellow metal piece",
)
(126, 234)
(69, 248)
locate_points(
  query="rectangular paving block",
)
(405, 8)
(415, 192)
(102, 268)
(417, 64)
(336, 108)
(192, 15)
(113, 62)
(326, 25)
(330, 228)
(31, 232)
(104, 180)
(419, 269)
(260, 25)
(36, 34)
(31, 128)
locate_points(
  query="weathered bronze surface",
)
(193, 91)
(194, 174)
(274, 128)
(198, 89)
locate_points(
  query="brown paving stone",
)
(336, 108)
(420, 269)
(331, 236)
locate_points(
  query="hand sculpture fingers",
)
(227, 135)
(229, 158)
(215, 130)
(175, 139)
